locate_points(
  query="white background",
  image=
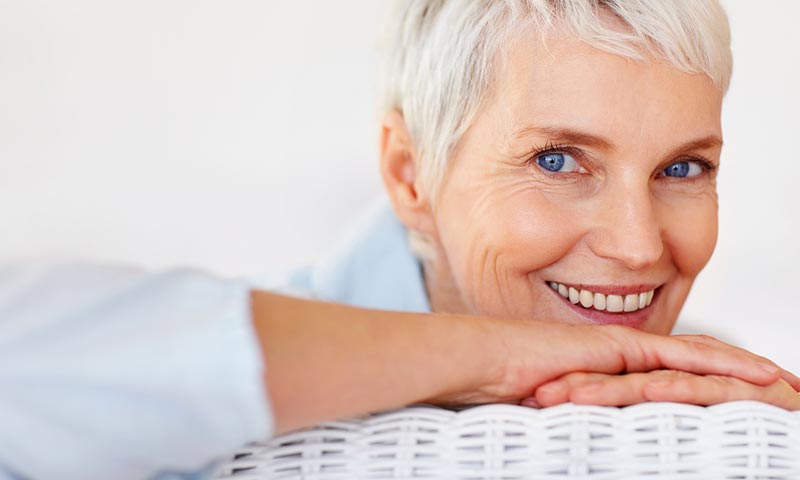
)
(240, 137)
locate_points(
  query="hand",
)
(330, 361)
(537, 353)
(659, 386)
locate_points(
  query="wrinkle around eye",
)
(520, 175)
(678, 191)
(556, 191)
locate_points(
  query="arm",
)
(119, 373)
(328, 361)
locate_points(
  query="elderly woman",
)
(546, 161)
(551, 168)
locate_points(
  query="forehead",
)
(563, 81)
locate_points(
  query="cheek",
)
(495, 240)
(691, 235)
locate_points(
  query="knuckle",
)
(700, 348)
(677, 374)
(729, 389)
(725, 382)
(707, 338)
(766, 360)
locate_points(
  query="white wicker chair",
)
(741, 440)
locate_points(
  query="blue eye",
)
(557, 162)
(683, 169)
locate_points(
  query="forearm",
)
(328, 361)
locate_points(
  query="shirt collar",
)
(374, 267)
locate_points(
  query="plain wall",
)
(241, 137)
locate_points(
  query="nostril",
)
(629, 234)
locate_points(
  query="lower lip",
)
(635, 319)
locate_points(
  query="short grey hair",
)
(440, 56)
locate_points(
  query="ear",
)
(399, 169)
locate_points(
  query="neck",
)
(443, 293)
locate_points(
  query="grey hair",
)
(441, 54)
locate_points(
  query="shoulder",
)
(371, 266)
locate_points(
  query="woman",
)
(549, 161)
(551, 169)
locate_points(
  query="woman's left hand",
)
(659, 386)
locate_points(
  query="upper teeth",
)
(598, 301)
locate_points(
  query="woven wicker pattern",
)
(742, 440)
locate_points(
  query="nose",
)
(627, 230)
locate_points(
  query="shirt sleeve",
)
(116, 373)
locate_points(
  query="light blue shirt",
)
(118, 373)
(372, 267)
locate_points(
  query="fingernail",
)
(768, 368)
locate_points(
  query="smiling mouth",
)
(611, 303)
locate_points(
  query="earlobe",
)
(399, 170)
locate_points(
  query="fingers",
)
(653, 352)
(599, 389)
(786, 375)
(661, 386)
(617, 390)
(551, 369)
(558, 391)
(711, 390)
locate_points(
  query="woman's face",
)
(585, 174)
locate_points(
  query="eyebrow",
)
(567, 135)
(704, 143)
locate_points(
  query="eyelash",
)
(706, 165)
(551, 147)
